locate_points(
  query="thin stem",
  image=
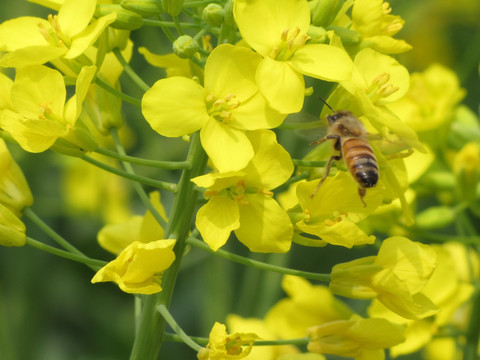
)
(177, 25)
(30, 214)
(258, 264)
(139, 179)
(169, 24)
(170, 165)
(138, 188)
(91, 263)
(204, 341)
(162, 309)
(165, 29)
(119, 94)
(129, 71)
(292, 180)
(473, 332)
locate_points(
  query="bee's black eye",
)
(333, 118)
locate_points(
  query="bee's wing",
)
(306, 126)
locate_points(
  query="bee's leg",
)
(362, 192)
(325, 138)
(399, 155)
(327, 171)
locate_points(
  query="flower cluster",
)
(238, 75)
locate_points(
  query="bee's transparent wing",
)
(306, 125)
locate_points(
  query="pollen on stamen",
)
(284, 34)
(210, 97)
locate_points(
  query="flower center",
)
(221, 109)
(290, 41)
(53, 34)
(380, 87)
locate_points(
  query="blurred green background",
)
(49, 309)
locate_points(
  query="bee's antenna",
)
(326, 104)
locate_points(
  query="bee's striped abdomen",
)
(361, 162)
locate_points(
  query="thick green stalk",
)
(149, 337)
(473, 332)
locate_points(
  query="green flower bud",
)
(143, 7)
(172, 7)
(185, 47)
(126, 20)
(348, 36)
(228, 9)
(213, 14)
(467, 171)
(317, 34)
(325, 11)
(76, 143)
(12, 229)
(15, 193)
(435, 217)
(103, 109)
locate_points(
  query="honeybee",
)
(350, 139)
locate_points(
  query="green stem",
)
(258, 264)
(162, 309)
(129, 71)
(150, 334)
(138, 188)
(170, 165)
(119, 94)
(30, 214)
(293, 179)
(473, 332)
(141, 179)
(169, 24)
(91, 263)
(204, 341)
(177, 25)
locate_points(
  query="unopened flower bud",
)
(185, 46)
(76, 143)
(325, 11)
(467, 171)
(228, 8)
(435, 217)
(214, 14)
(172, 7)
(143, 7)
(318, 35)
(15, 193)
(12, 229)
(126, 20)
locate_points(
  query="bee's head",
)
(336, 116)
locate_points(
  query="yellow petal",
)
(228, 148)
(282, 86)
(175, 106)
(74, 16)
(216, 220)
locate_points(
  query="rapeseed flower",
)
(223, 346)
(138, 268)
(32, 41)
(277, 30)
(12, 229)
(39, 114)
(335, 209)
(396, 277)
(226, 106)
(362, 339)
(241, 201)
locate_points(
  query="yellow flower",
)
(139, 266)
(29, 40)
(335, 209)
(227, 106)
(372, 19)
(307, 305)
(241, 201)
(12, 229)
(362, 339)
(15, 193)
(277, 30)
(396, 277)
(145, 229)
(430, 100)
(259, 327)
(173, 65)
(223, 346)
(39, 114)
